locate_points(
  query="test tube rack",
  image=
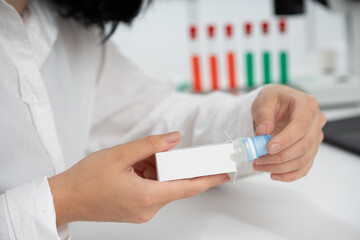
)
(237, 58)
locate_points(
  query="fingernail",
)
(262, 160)
(227, 178)
(276, 177)
(172, 137)
(274, 148)
(260, 128)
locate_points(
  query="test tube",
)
(265, 29)
(283, 51)
(230, 56)
(213, 62)
(249, 55)
(195, 59)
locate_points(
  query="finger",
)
(263, 111)
(295, 175)
(295, 151)
(150, 173)
(141, 166)
(288, 166)
(299, 125)
(143, 148)
(139, 173)
(151, 160)
(291, 153)
(294, 164)
(146, 170)
(179, 189)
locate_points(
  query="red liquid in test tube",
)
(284, 71)
(230, 57)
(213, 59)
(195, 61)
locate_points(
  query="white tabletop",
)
(323, 205)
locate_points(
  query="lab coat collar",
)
(46, 25)
(36, 36)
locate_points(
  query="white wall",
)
(158, 40)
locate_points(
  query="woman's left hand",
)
(294, 121)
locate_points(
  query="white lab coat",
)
(63, 94)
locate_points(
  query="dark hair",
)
(101, 12)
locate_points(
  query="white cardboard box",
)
(195, 162)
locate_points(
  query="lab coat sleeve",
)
(27, 212)
(130, 105)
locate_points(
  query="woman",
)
(66, 90)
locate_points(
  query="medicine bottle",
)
(249, 149)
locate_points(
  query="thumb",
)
(143, 148)
(263, 111)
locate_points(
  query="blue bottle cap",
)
(260, 144)
(256, 146)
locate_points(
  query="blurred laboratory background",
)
(315, 40)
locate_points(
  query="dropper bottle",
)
(249, 149)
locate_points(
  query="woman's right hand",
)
(118, 184)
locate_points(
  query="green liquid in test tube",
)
(283, 64)
(249, 57)
(265, 27)
(266, 62)
(250, 69)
